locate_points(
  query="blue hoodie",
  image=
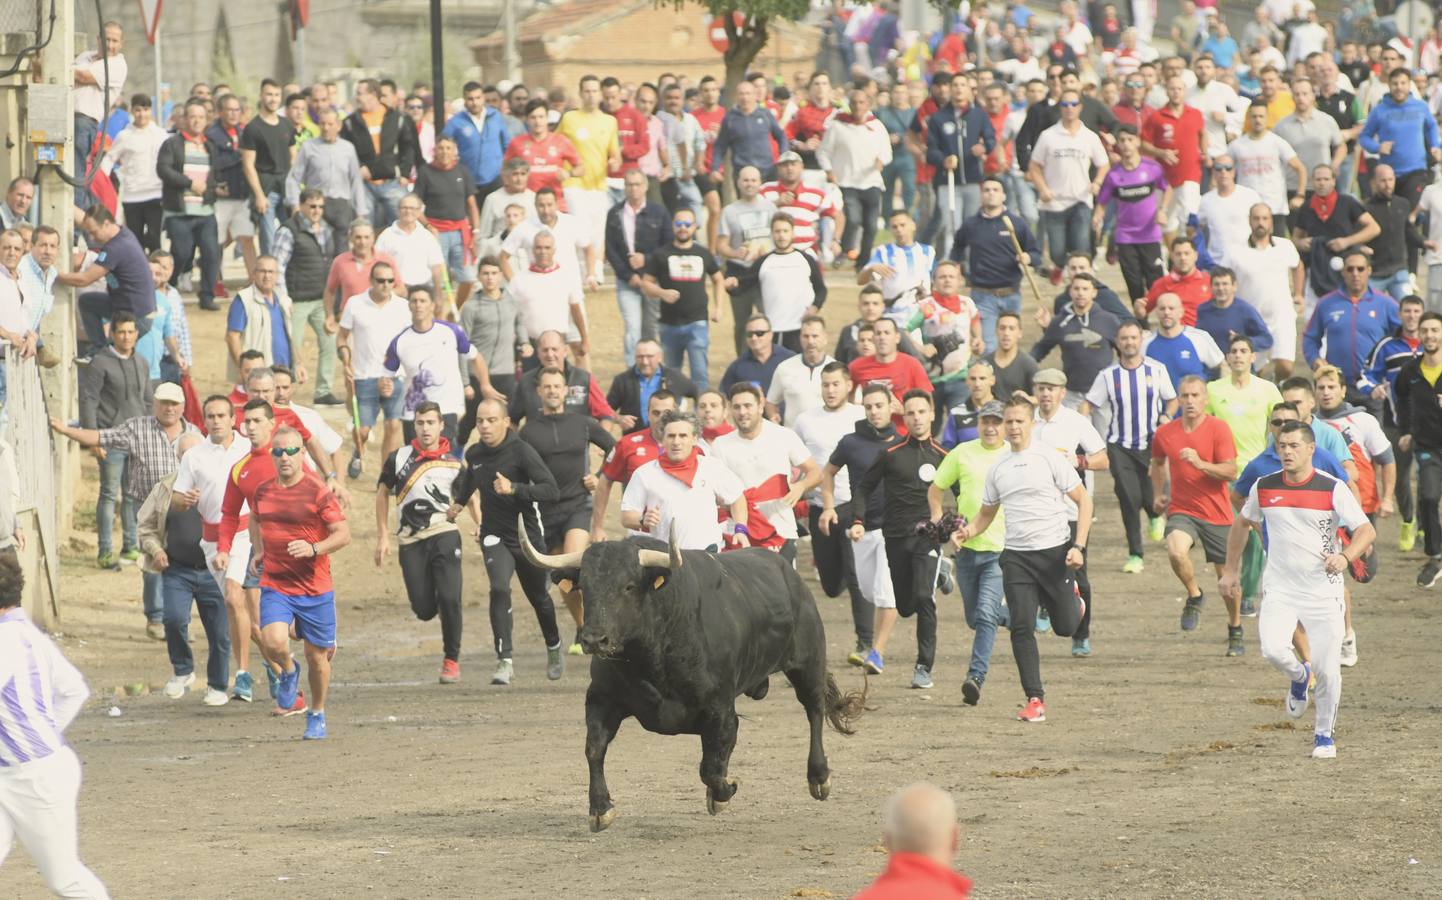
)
(1411, 129)
(946, 130)
(481, 151)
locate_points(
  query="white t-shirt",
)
(772, 454)
(206, 467)
(572, 239)
(821, 429)
(796, 387)
(1067, 431)
(1066, 160)
(692, 509)
(88, 97)
(1262, 166)
(1431, 204)
(415, 253)
(135, 151)
(432, 373)
(372, 328)
(1217, 97)
(1227, 220)
(787, 287)
(546, 298)
(1031, 487)
(329, 438)
(1300, 535)
(1264, 276)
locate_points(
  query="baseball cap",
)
(170, 392)
(1050, 376)
(788, 156)
(992, 409)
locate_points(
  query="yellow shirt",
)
(1281, 106)
(1430, 373)
(594, 136)
(1246, 411)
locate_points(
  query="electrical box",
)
(47, 113)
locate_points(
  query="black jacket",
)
(563, 443)
(653, 231)
(855, 453)
(1419, 407)
(309, 264)
(897, 468)
(525, 401)
(229, 171)
(400, 148)
(170, 166)
(531, 482)
(1390, 248)
(625, 393)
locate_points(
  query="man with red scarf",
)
(448, 194)
(682, 489)
(420, 475)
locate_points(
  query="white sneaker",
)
(1323, 747)
(184, 283)
(215, 698)
(1349, 649)
(1297, 696)
(176, 687)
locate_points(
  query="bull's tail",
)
(842, 710)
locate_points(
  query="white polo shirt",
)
(796, 387)
(372, 327)
(206, 467)
(821, 429)
(1068, 433)
(546, 298)
(692, 509)
(772, 454)
(415, 252)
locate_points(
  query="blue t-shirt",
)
(236, 319)
(127, 274)
(1179, 355)
(152, 344)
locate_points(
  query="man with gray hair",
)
(329, 165)
(921, 835)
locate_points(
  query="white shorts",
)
(239, 559)
(1186, 200)
(573, 334)
(232, 219)
(872, 571)
(1284, 335)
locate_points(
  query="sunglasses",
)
(683, 223)
(383, 281)
(1067, 104)
(1278, 423)
(278, 452)
(757, 333)
(1222, 168)
(1136, 84)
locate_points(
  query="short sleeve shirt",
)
(300, 512)
(685, 271)
(271, 144)
(430, 360)
(1302, 522)
(1262, 166)
(1195, 493)
(965, 468)
(127, 274)
(1031, 487)
(373, 327)
(1246, 412)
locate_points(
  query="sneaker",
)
(450, 671)
(271, 680)
(921, 678)
(503, 673)
(242, 689)
(1297, 694)
(1081, 647)
(327, 400)
(214, 697)
(1323, 747)
(857, 657)
(294, 709)
(971, 691)
(1043, 621)
(353, 470)
(219, 291)
(314, 727)
(1034, 711)
(1349, 649)
(185, 284)
(1133, 565)
(1407, 537)
(1235, 646)
(1192, 612)
(176, 687)
(873, 663)
(108, 562)
(555, 663)
(155, 631)
(1249, 607)
(1429, 573)
(946, 575)
(287, 686)
(129, 557)
(1157, 529)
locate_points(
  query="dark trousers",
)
(836, 566)
(913, 562)
(180, 586)
(1132, 484)
(506, 384)
(1025, 594)
(431, 569)
(97, 308)
(742, 302)
(189, 234)
(791, 340)
(87, 131)
(1406, 509)
(1084, 587)
(485, 190)
(502, 561)
(144, 219)
(1141, 264)
(862, 206)
(1429, 494)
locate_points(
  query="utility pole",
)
(438, 69)
(508, 31)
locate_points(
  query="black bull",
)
(676, 636)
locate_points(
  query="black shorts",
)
(1213, 538)
(560, 519)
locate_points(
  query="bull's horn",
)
(675, 548)
(544, 560)
(654, 559)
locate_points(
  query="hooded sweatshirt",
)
(855, 453)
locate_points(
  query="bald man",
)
(922, 835)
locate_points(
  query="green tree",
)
(746, 38)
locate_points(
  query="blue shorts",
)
(453, 250)
(372, 404)
(314, 617)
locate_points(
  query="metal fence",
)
(22, 16)
(26, 427)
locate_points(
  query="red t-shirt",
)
(630, 453)
(807, 206)
(545, 158)
(1167, 130)
(300, 512)
(809, 121)
(1137, 118)
(245, 477)
(709, 120)
(349, 277)
(1195, 493)
(902, 374)
(1195, 288)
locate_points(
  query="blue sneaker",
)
(873, 663)
(1081, 647)
(287, 685)
(1323, 747)
(314, 727)
(1297, 694)
(271, 680)
(1043, 621)
(243, 690)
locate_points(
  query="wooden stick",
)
(1026, 269)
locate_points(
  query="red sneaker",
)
(298, 708)
(450, 671)
(1034, 711)
(220, 292)
(1055, 276)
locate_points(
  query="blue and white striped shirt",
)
(40, 691)
(912, 264)
(1135, 398)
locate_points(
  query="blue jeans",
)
(903, 173)
(639, 316)
(370, 404)
(112, 480)
(953, 208)
(1068, 230)
(180, 585)
(453, 250)
(1394, 285)
(153, 597)
(270, 222)
(694, 341)
(991, 305)
(1021, 196)
(978, 577)
(385, 197)
(86, 131)
(187, 235)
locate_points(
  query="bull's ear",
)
(657, 578)
(566, 579)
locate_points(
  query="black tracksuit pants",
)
(1032, 579)
(913, 561)
(836, 567)
(1132, 483)
(502, 561)
(431, 569)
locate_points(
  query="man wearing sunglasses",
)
(1223, 215)
(676, 276)
(1351, 321)
(368, 324)
(1060, 170)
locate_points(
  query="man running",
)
(680, 491)
(296, 523)
(631, 452)
(1301, 510)
(1379, 381)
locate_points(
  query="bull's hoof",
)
(603, 821)
(716, 807)
(821, 791)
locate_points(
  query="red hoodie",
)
(633, 136)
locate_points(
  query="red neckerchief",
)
(1324, 206)
(233, 134)
(712, 434)
(443, 449)
(850, 119)
(683, 471)
(192, 138)
(537, 269)
(951, 302)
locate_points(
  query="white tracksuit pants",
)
(1323, 619)
(37, 805)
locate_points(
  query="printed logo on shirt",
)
(685, 268)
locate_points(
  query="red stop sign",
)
(716, 31)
